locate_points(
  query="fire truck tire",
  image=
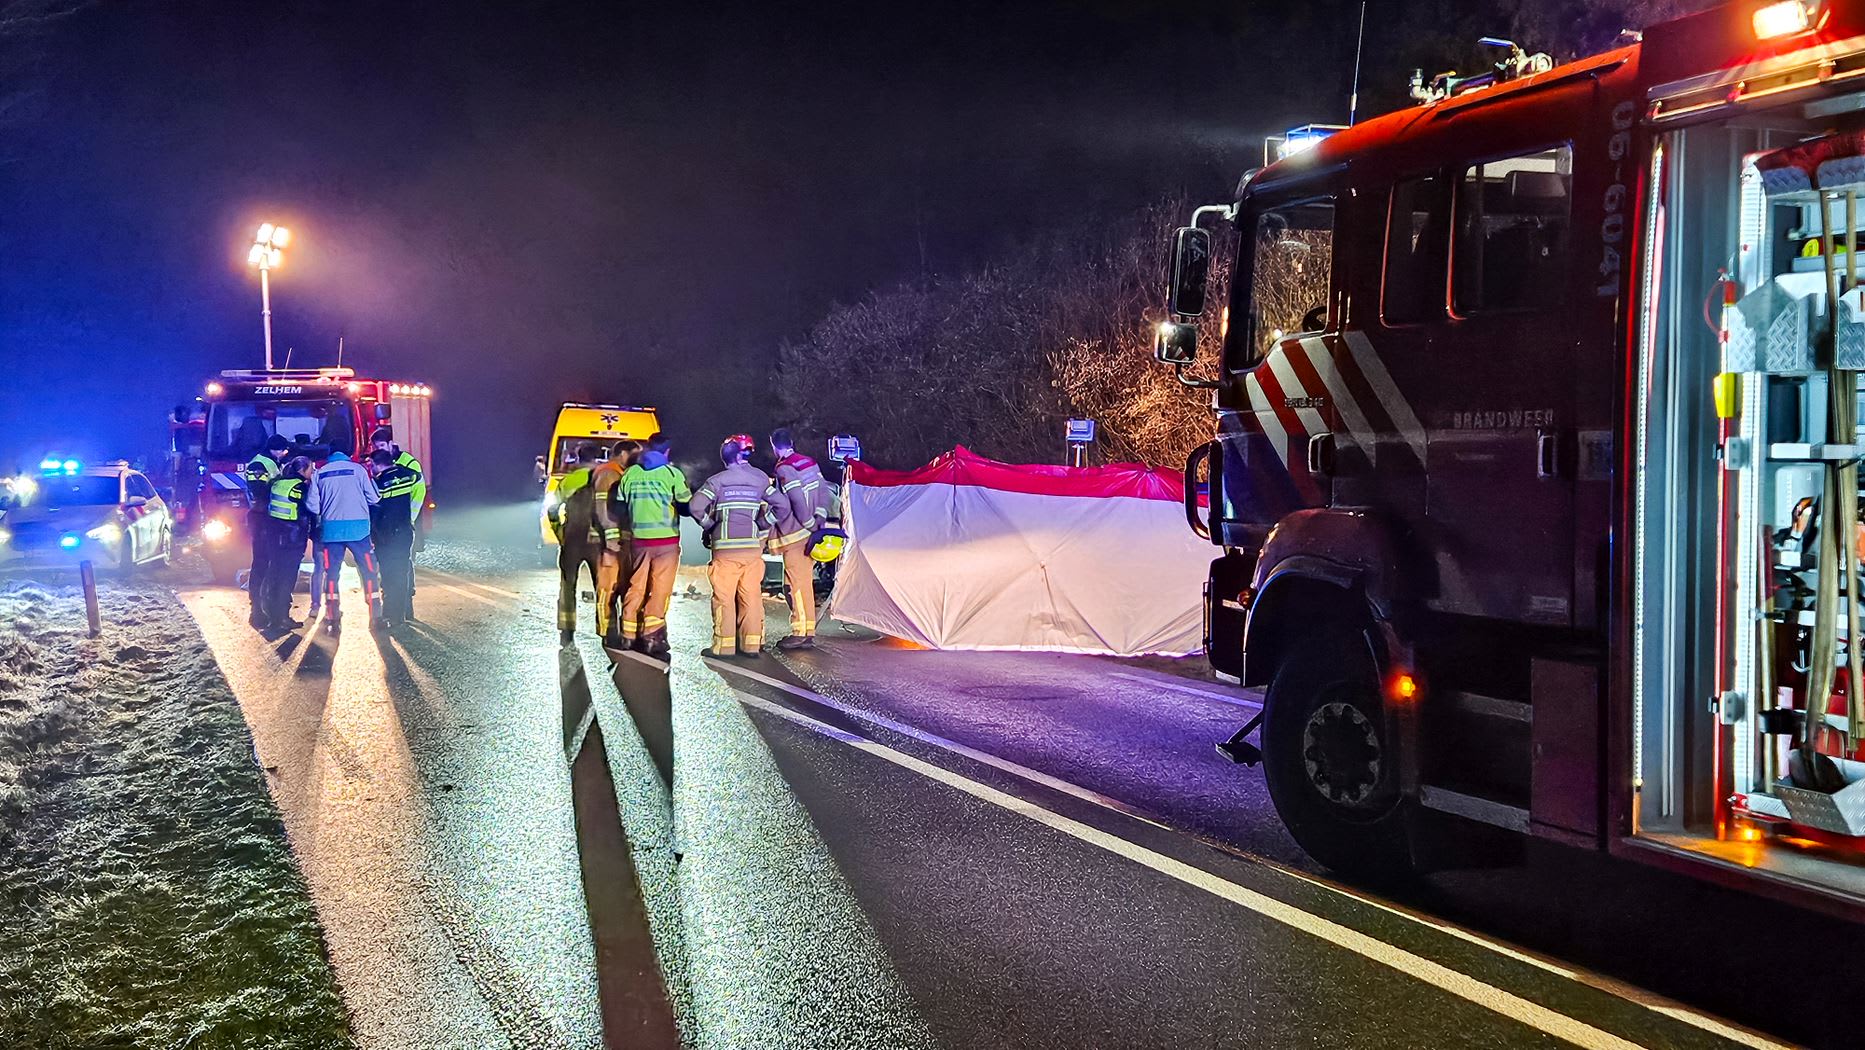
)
(1331, 761)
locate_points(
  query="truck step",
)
(1474, 807)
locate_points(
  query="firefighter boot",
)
(794, 642)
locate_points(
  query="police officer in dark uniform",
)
(261, 471)
(392, 532)
(288, 530)
(384, 438)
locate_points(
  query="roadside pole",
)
(89, 577)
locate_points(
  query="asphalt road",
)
(863, 847)
(424, 787)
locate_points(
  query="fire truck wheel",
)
(1331, 761)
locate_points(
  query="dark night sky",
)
(549, 201)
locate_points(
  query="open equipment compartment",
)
(1749, 735)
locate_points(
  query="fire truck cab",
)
(1535, 465)
(320, 411)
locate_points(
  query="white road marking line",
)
(464, 582)
(1240, 701)
(1509, 1005)
(474, 595)
(1630, 993)
(1004, 765)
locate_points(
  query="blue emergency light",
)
(52, 465)
(69, 541)
(1295, 140)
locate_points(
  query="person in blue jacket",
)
(340, 495)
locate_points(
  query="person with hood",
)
(261, 471)
(801, 505)
(656, 494)
(734, 508)
(340, 495)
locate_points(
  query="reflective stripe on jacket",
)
(802, 501)
(287, 499)
(734, 507)
(417, 496)
(654, 494)
(396, 485)
(341, 494)
(261, 471)
(605, 486)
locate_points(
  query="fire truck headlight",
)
(216, 530)
(1784, 18)
(213, 389)
(5, 536)
(108, 532)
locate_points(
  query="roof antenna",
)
(339, 350)
(1353, 100)
(288, 359)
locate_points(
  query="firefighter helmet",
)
(827, 544)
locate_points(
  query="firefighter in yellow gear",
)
(605, 484)
(574, 523)
(734, 508)
(800, 504)
(655, 494)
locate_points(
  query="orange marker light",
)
(1404, 686)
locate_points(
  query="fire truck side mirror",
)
(1191, 265)
(1176, 343)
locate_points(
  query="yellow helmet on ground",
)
(826, 545)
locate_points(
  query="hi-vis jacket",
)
(801, 503)
(261, 471)
(287, 500)
(735, 508)
(417, 491)
(655, 489)
(573, 516)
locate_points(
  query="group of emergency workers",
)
(367, 510)
(619, 518)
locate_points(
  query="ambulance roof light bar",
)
(1785, 18)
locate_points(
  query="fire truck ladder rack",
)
(288, 375)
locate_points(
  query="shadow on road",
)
(630, 985)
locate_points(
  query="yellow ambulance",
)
(602, 425)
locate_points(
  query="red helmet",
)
(742, 442)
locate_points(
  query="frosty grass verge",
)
(147, 893)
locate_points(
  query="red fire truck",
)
(1535, 466)
(321, 411)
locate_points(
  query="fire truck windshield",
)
(1281, 285)
(237, 430)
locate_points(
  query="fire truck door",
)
(1498, 403)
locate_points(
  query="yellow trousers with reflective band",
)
(737, 602)
(651, 571)
(800, 581)
(611, 574)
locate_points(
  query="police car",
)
(109, 515)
